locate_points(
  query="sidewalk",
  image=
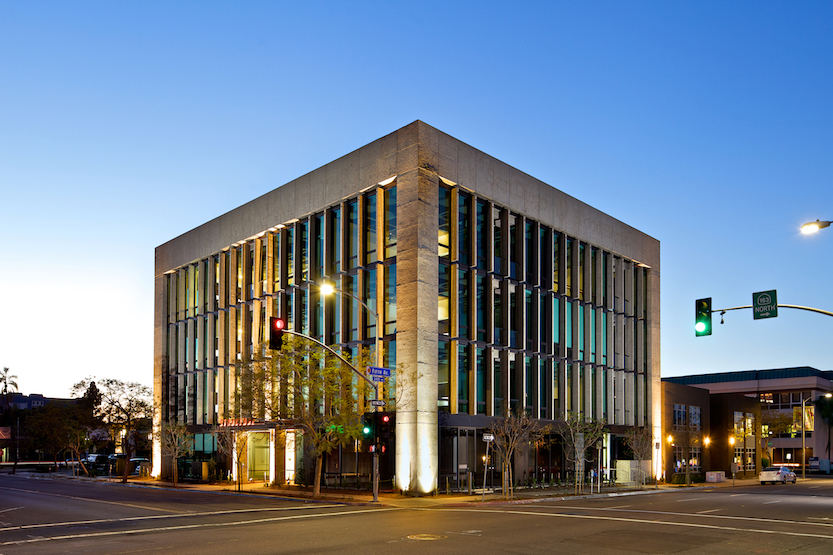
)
(524, 495)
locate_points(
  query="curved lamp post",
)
(813, 227)
(803, 418)
(327, 289)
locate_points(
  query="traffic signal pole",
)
(723, 311)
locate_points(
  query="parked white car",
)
(777, 474)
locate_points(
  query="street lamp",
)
(813, 227)
(803, 409)
(732, 452)
(327, 289)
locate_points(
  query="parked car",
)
(777, 474)
(97, 461)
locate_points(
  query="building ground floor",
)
(465, 460)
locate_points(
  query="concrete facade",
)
(612, 316)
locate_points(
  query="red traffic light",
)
(276, 326)
(385, 418)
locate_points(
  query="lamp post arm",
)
(344, 360)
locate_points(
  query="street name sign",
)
(488, 437)
(764, 305)
(377, 378)
(377, 371)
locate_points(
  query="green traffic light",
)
(703, 317)
(366, 430)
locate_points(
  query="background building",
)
(780, 394)
(494, 291)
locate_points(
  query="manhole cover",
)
(425, 537)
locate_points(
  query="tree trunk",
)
(176, 471)
(319, 462)
(127, 453)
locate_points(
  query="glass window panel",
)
(443, 302)
(390, 222)
(463, 300)
(390, 299)
(443, 373)
(462, 379)
(370, 227)
(352, 234)
(335, 239)
(482, 234)
(464, 233)
(444, 229)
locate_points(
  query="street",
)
(42, 515)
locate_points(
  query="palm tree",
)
(8, 381)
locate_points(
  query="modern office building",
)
(494, 291)
(781, 394)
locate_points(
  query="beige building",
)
(494, 291)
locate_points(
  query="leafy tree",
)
(640, 440)
(176, 442)
(510, 433)
(310, 391)
(579, 434)
(125, 407)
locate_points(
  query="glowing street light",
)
(327, 289)
(813, 227)
(803, 417)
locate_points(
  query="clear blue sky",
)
(706, 125)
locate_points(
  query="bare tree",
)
(233, 443)
(176, 442)
(687, 436)
(640, 440)
(125, 407)
(579, 434)
(776, 423)
(510, 433)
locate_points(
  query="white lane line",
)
(771, 502)
(156, 517)
(692, 499)
(643, 521)
(671, 513)
(738, 494)
(10, 509)
(193, 526)
(618, 507)
(814, 487)
(92, 500)
(708, 511)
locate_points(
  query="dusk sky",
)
(707, 125)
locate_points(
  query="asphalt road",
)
(55, 516)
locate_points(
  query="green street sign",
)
(764, 305)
